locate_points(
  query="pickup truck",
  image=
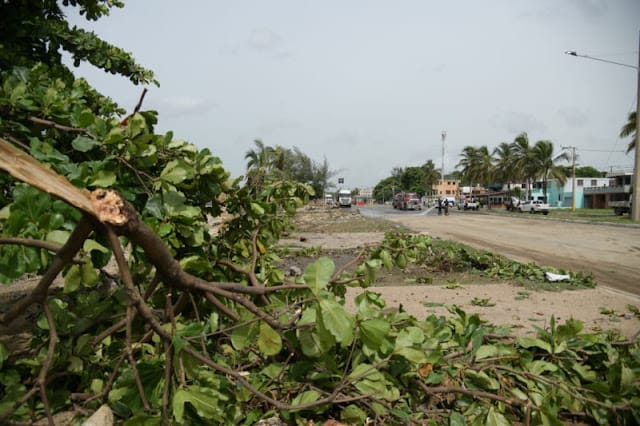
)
(534, 206)
(468, 205)
(621, 207)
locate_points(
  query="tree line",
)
(266, 164)
(508, 163)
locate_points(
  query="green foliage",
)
(293, 349)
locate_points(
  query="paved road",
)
(612, 253)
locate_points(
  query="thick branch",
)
(57, 126)
(64, 256)
(24, 168)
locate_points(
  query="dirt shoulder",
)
(500, 303)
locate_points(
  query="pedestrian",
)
(439, 206)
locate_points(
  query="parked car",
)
(534, 206)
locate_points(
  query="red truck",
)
(406, 201)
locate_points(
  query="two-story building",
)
(590, 192)
(618, 188)
(451, 187)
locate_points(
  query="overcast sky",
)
(371, 85)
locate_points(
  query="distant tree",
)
(523, 162)
(584, 172)
(412, 180)
(385, 189)
(259, 163)
(505, 164)
(476, 164)
(545, 163)
(397, 172)
(267, 164)
(629, 129)
(431, 175)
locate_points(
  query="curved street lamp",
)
(635, 181)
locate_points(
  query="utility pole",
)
(635, 180)
(444, 136)
(573, 176)
(635, 198)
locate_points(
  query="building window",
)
(594, 182)
(580, 182)
(523, 186)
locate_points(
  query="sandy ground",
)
(602, 308)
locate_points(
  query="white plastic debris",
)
(550, 276)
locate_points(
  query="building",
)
(451, 187)
(617, 189)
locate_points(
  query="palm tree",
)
(505, 164)
(629, 129)
(476, 165)
(524, 166)
(468, 163)
(545, 164)
(259, 162)
(431, 175)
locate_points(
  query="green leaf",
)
(84, 144)
(409, 337)
(486, 351)
(58, 237)
(318, 274)
(374, 331)
(204, 400)
(540, 366)
(336, 319)
(257, 209)
(90, 245)
(103, 179)
(532, 342)
(244, 335)
(269, 341)
(457, 419)
(482, 380)
(314, 341)
(72, 279)
(495, 418)
(305, 398)
(89, 275)
(413, 355)
(143, 420)
(177, 171)
(4, 354)
(135, 125)
(386, 258)
(353, 415)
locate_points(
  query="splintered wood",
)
(109, 207)
(23, 167)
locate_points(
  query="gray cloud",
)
(573, 117)
(177, 106)
(264, 40)
(517, 122)
(591, 8)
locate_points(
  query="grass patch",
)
(589, 215)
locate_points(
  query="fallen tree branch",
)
(64, 256)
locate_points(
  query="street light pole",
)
(635, 180)
(444, 135)
(573, 176)
(635, 198)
